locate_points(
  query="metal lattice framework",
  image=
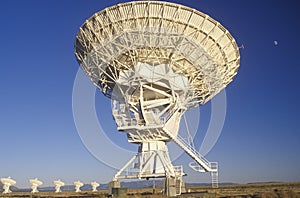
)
(156, 60)
(192, 43)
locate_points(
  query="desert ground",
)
(257, 190)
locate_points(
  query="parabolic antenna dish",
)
(34, 184)
(94, 186)
(58, 184)
(78, 185)
(8, 181)
(152, 34)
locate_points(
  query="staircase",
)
(202, 164)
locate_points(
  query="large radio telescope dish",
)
(58, 184)
(7, 183)
(34, 185)
(94, 186)
(192, 44)
(78, 184)
(156, 60)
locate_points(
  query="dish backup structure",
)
(156, 60)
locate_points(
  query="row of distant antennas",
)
(35, 183)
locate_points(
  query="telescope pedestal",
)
(34, 188)
(57, 189)
(173, 186)
(113, 184)
(6, 189)
(152, 161)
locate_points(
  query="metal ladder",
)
(214, 179)
(214, 175)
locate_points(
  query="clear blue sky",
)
(260, 139)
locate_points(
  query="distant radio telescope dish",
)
(58, 184)
(94, 186)
(155, 60)
(34, 184)
(78, 185)
(7, 183)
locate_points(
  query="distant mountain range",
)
(133, 184)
